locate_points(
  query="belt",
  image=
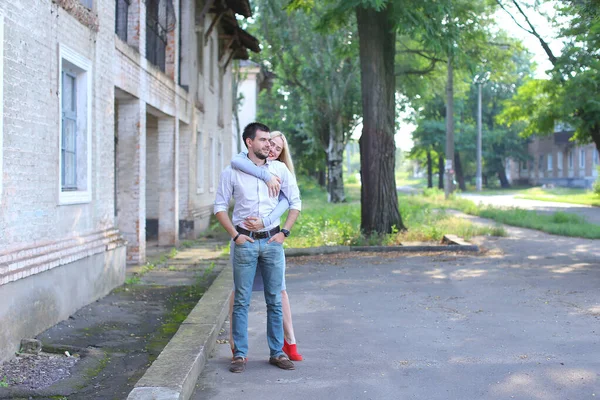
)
(258, 235)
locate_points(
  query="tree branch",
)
(427, 70)
(531, 30)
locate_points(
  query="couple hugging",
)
(263, 186)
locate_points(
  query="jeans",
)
(246, 258)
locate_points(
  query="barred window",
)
(160, 19)
(121, 16)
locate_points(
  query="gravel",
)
(36, 371)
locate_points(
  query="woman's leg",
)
(289, 342)
(288, 326)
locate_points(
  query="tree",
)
(570, 95)
(321, 69)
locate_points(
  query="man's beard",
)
(260, 155)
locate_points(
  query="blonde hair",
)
(285, 156)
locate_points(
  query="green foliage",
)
(3, 382)
(597, 184)
(322, 224)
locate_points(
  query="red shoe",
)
(291, 351)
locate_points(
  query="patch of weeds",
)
(172, 253)
(94, 372)
(172, 268)
(133, 280)
(186, 244)
(3, 383)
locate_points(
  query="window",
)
(541, 162)
(221, 99)
(596, 156)
(524, 165)
(570, 159)
(559, 161)
(1, 98)
(581, 158)
(160, 19)
(87, 3)
(200, 55)
(212, 152)
(550, 162)
(200, 170)
(75, 145)
(121, 15)
(212, 60)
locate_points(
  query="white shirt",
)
(251, 194)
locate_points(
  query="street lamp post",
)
(478, 174)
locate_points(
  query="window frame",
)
(200, 168)
(581, 158)
(559, 161)
(549, 162)
(570, 161)
(1, 103)
(84, 92)
(212, 174)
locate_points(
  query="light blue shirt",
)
(251, 194)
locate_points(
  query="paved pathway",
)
(521, 321)
(590, 214)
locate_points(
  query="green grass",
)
(3, 383)
(561, 195)
(326, 224)
(559, 223)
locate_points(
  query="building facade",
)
(115, 121)
(556, 160)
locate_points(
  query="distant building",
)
(555, 160)
(115, 122)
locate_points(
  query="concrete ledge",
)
(454, 244)
(174, 373)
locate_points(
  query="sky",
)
(403, 136)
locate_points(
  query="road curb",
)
(173, 375)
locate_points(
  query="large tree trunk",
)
(460, 178)
(441, 172)
(429, 170)
(335, 159)
(379, 198)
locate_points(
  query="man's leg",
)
(272, 266)
(245, 258)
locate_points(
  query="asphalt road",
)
(521, 321)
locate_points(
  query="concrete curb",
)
(173, 375)
(454, 244)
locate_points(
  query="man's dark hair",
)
(250, 130)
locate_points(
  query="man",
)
(252, 249)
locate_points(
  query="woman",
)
(279, 151)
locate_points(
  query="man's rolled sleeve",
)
(224, 191)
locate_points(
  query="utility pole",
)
(449, 165)
(478, 174)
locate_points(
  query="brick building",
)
(115, 121)
(555, 160)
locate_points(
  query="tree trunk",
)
(459, 172)
(335, 159)
(502, 176)
(441, 172)
(379, 198)
(449, 188)
(429, 170)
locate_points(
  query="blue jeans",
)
(246, 258)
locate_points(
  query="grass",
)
(559, 223)
(561, 195)
(3, 383)
(325, 224)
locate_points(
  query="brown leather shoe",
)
(238, 364)
(282, 362)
